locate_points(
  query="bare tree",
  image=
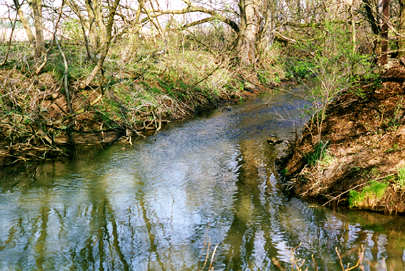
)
(402, 29)
(384, 31)
(36, 6)
(24, 21)
(106, 34)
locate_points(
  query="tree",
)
(384, 31)
(104, 32)
(36, 6)
(250, 24)
(24, 21)
(402, 29)
(248, 31)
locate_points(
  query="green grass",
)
(394, 148)
(319, 154)
(401, 177)
(374, 191)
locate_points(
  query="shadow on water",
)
(172, 200)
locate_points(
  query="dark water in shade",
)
(173, 199)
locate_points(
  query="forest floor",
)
(360, 161)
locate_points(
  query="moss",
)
(374, 191)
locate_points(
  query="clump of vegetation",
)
(401, 177)
(330, 46)
(370, 193)
(319, 154)
(394, 122)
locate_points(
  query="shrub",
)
(372, 192)
(319, 153)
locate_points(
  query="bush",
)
(319, 153)
(372, 192)
(330, 60)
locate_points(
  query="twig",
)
(10, 39)
(340, 259)
(206, 256)
(212, 258)
(65, 76)
(359, 261)
(314, 262)
(209, 74)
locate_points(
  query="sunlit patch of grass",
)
(271, 65)
(370, 193)
(401, 177)
(326, 160)
(319, 154)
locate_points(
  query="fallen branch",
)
(65, 76)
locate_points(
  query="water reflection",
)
(169, 201)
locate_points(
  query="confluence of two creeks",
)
(201, 194)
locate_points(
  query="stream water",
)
(198, 195)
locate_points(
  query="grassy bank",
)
(141, 88)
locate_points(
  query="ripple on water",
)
(173, 198)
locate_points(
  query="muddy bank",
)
(361, 163)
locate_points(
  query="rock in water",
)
(273, 140)
(226, 109)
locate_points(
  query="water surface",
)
(200, 194)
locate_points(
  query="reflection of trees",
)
(260, 221)
(102, 244)
(40, 246)
(258, 215)
(315, 231)
(151, 236)
(248, 204)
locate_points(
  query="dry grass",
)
(146, 84)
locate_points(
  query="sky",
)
(19, 33)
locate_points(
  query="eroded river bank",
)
(199, 194)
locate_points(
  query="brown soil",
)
(366, 136)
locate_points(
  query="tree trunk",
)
(106, 42)
(75, 8)
(26, 25)
(353, 21)
(265, 33)
(402, 30)
(248, 31)
(384, 31)
(36, 6)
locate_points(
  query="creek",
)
(199, 194)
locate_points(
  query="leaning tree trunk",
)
(25, 23)
(36, 6)
(402, 30)
(248, 31)
(384, 31)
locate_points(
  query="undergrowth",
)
(401, 177)
(319, 154)
(372, 192)
(145, 83)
